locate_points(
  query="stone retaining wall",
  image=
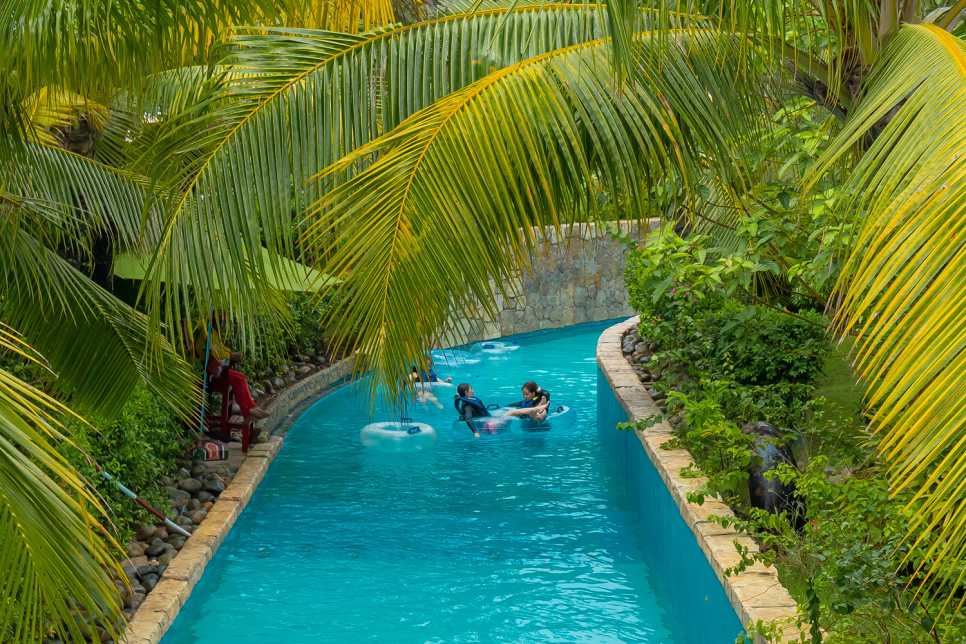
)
(162, 605)
(755, 594)
(577, 278)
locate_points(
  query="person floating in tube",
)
(534, 404)
(469, 406)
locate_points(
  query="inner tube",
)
(559, 418)
(456, 362)
(493, 347)
(395, 436)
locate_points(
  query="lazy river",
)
(508, 538)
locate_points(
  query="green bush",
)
(684, 295)
(137, 448)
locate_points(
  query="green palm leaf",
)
(51, 548)
(299, 101)
(904, 282)
(451, 196)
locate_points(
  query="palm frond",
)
(450, 198)
(52, 552)
(81, 329)
(903, 284)
(299, 100)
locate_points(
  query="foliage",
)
(140, 445)
(681, 288)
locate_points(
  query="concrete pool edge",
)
(161, 607)
(755, 594)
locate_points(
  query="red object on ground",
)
(233, 387)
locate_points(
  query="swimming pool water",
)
(511, 538)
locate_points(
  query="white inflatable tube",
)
(560, 417)
(393, 436)
(493, 347)
(456, 362)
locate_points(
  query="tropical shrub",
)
(143, 443)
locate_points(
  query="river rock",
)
(167, 557)
(304, 371)
(134, 549)
(214, 486)
(149, 583)
(160, 532)
(137, 561)
(123, 590)
(143, 532)
(176, 494)
(320, 360)
(182, 474)
(290, 378)
(277, 383)
(175, 542)
(198, 470)
(258, 393)
(190, 485)
(205, 497)
(207, 506)
(198, 516)
(181, 521)
(156, 548)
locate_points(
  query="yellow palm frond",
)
(904, 283)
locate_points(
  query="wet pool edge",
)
(689, 553)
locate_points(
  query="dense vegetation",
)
(414, 161)
(740, 341)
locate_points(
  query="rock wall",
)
(577, 278)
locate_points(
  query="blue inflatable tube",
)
(560, 417)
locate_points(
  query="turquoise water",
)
(507, 538)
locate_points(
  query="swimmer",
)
(469, 406)
(534, 404)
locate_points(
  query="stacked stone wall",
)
(576, 277)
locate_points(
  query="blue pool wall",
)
(697, 599)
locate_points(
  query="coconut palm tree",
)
(74, 79)
(421, 160)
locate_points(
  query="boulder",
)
(177, 495)
(205, 497)
(190, 485)
(215, 486)
(156, 548)
(769, 493)
(144, 532)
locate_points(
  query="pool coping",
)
(160, 608)
(755, 594)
